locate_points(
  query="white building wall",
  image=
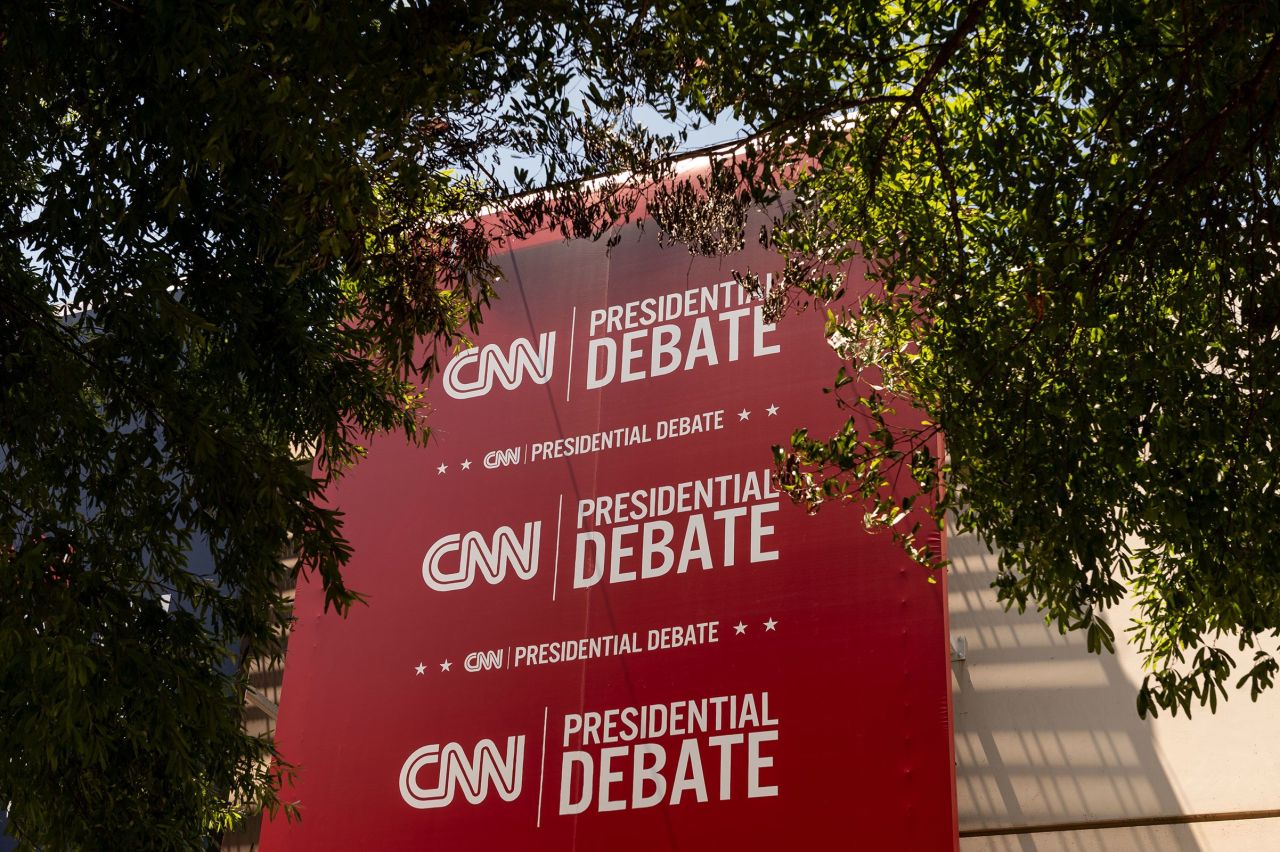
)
(1048, 737)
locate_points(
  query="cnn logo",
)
(474, 774)
(492, 558)
(474, 372)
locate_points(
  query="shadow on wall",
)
(1046, 733)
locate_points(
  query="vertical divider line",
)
(573, 331)
(555, 568)
(542, 764)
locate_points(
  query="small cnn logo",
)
(474, 774)
(483, 661)
(502, 458)
(508, 368)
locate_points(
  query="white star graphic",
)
(444, 667)
(466, 465)
(744, 415)
(773, 409)
(442, 468)
(770, 624)
(420, 669)
(739, 628)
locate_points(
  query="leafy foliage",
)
(226, 230)
(1069, 213)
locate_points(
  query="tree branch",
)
(949, 49)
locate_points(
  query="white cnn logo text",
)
(472, 373)
(473, 774)
(490, 558)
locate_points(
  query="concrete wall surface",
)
(1048, 735)
(1255, 835)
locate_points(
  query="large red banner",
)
(593, 623)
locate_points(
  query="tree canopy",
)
(1069, 215)
(227, 227)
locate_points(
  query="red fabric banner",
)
(592, 621)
